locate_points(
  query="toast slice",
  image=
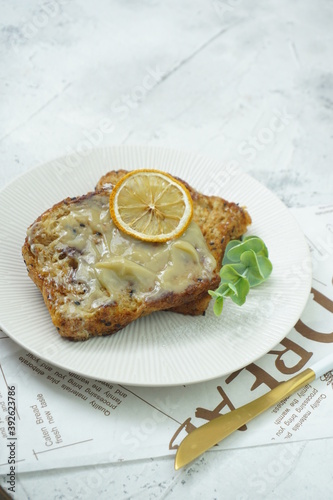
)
(95, 280)
(219, 220)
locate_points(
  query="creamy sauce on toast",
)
(97, 264)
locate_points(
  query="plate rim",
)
(96, 152)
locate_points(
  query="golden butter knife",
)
(211, 433)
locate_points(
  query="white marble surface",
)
(246, 81)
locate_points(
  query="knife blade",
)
(211, 433)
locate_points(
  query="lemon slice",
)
(151, 205)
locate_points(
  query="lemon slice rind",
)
(151, 209)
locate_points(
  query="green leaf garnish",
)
(218, 306)
(245, 265)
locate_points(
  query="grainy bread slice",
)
(91, 275)
(219, 220)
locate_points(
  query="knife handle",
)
(229, 422)
(323, 365)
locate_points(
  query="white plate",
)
(162, 349)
